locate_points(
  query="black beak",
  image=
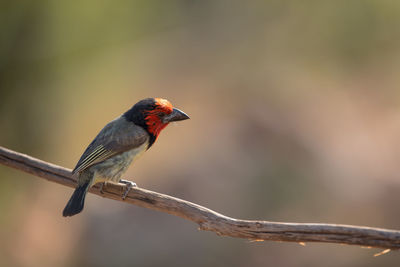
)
(175, 115)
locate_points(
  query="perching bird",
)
(118, 144)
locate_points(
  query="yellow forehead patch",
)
(164, 104)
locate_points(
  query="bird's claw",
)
(128, 186)
(102, 186)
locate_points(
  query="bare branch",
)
(211, 220)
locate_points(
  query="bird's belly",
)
(112, 168)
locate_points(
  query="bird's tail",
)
(77, 201)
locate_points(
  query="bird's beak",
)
(175, 115)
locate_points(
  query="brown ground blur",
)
(295, 116)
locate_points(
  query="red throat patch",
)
(153, 120)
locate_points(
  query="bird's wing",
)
(116, 137)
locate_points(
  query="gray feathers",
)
(116, 137)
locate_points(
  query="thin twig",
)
(211, 220)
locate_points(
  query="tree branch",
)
(211, 220)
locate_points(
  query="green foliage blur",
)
(294, 110)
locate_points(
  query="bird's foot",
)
(102, 186)
(128, 186)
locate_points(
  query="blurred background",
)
(295, 116)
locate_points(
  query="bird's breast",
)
(112, 168)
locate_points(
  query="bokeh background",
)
(295, 116)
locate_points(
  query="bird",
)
(117, 145)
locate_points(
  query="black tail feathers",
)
(77, 201)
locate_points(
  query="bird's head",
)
(154, 114)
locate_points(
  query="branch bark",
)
(210, 220)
